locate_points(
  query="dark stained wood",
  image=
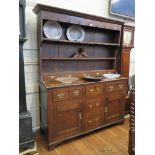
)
(110, 141)
(125, 61)
(40, 7)
(71, 110)
(131, 146)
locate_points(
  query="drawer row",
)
(61, 94)
(90, 104)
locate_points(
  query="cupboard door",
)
(114, 107)
(67, 123)
(92, 119)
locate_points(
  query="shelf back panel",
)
(62, 50)
(73, 66)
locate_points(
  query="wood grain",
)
(110, 141)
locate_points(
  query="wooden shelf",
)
(108, 58)
(79, 42)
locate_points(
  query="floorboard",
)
(109, 141)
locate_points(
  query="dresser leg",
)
(51, 147)
(121, 122)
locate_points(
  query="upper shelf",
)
(57, 58)
(79, 42)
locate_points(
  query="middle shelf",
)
(57, 58)
(79, 42)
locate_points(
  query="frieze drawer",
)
(60, 94)
(93, 104)
(110, 87)
(76, 92)
(94, 89)
(68, 93)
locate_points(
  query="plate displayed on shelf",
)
(93, 78)
(67, 80)
(52, 30)
(111, 75)
(75, 33)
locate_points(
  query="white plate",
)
(111, 76)
(66, 80)
(75, 33)
(52, 30)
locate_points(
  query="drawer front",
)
(67, 105)
(93, 104)
(115, 86)
(60, 94)
(76, 92)
(93, 90)
(92, 119)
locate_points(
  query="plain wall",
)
(94, 7)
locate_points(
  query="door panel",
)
(67, 123)
(114, 107)
(92, 119)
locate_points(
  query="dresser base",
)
(51, 146)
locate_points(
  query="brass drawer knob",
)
(80, 116)
(90, 106)
(98, 88)
(91, 90)
(111, 88)
(106, 109)
(60, 96)
(90, 121)
(98, 104)
(96, 119)
(121, 86)
(76, 93)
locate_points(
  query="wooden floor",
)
(109, 141)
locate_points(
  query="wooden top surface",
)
(56, 84)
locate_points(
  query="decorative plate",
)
(93, 78)
(75, 33)
(111, 76)
(66, 80)
(52, 30)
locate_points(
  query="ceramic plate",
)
(66, 80)
(93, 78)
(75, 33)
(111, 76)
(52, 30)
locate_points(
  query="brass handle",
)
(61, 95)
(76, 93)
(90, 121)
(111, 88)
(121, 86)
(80, 116)
(90, 106)
(91, 90)
(96, 119)
(106, 109)
(98, 88)
(98, 104)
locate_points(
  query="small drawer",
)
(67, 105)
(94, 103)
(120, 86)
(76, 92)
(60, 94)
(110, 87)
(92, 90)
